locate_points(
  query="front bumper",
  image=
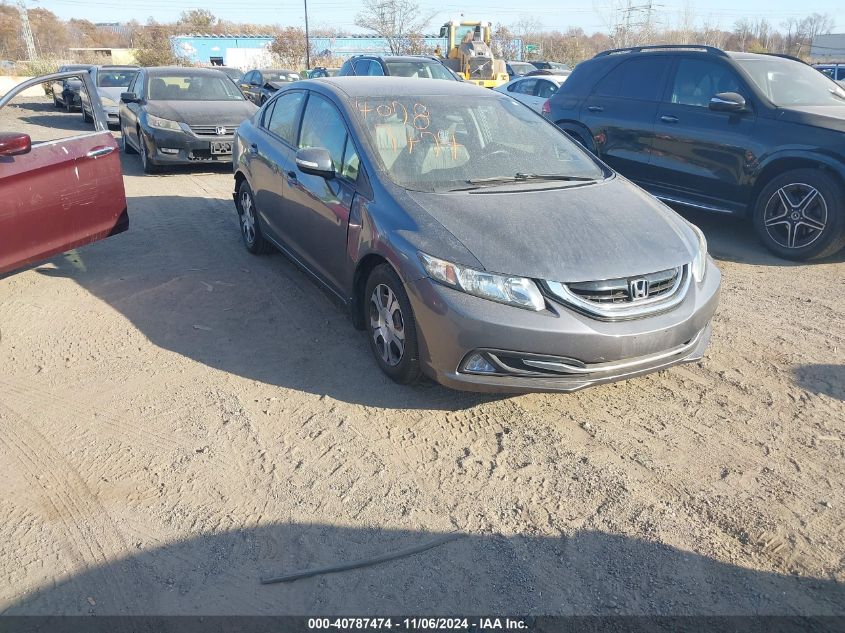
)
(562, 350)
(189, 148)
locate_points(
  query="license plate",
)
(221, 147)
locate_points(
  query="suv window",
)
(361, 66)
(322, 126)
(545, 88)
(639, 78)
(698, 80)
(375, 69)
(283, 117)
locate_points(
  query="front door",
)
(701, 155)
(317, 210)
(66, 191)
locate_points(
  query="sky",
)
(552, 14)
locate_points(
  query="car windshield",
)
(789, 83)
(443, 143)
(115, 77)
(192, 87)
(279, 75)
(423, 69)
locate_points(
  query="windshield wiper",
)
(520, 177)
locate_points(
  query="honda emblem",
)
(221, 131)
(638, 288)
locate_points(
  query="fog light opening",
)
(168, 150)
(477, 364)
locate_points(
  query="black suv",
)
(761, 136)
(396, 66)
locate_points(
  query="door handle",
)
(96, 152)
(595, 108)
(668, 118)
(253, 148)
(291, 174)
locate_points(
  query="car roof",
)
(367, 86)
(187, 70)
(401, 58)
(275, 70)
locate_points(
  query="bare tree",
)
(394, 20)
(288, 48)
(197, 21)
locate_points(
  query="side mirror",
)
(316, 161)
(129, 97)
(728, 102)
(14, 143)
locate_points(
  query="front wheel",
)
(800, 215)
(247, 215)
(146, 162)
(124, 144)
(391, 326)
(87, 117)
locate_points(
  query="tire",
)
(146, 163)
(254, 240)
(126, 147)
(384, 296)
(68, 104)
(56, 103)
(800, 215)
(86, 117)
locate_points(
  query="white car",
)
(533, 90)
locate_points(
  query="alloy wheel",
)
(387, 325)
(247, 217)
(796, 215)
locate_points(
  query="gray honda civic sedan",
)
(470, 238)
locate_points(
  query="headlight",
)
(699, 264)
(514, 291)
(162, 124)
(107, 101)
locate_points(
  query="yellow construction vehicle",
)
(469, 53)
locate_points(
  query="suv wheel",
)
(391, 326)
(800, 215)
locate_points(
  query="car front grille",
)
(211, 130)
(624, 297)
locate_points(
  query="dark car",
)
(261, 84)
(473, 240)
(758, 136)
(420, 66)
(110, 82)
(322, 71)
(834, 71)
(66, 91)
(176, 115)
(55, 201)
(542, 64)
(518, 69)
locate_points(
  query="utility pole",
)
(27, 31)
(307, 39)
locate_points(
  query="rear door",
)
(65, 192)
(701, 155)
(621, 112)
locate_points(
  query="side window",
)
(526, 87)
(640, 78)
(257, 78)
(545, 89)
(133, 83)
(375, 69)
(697, 80)
(351, 162)
(282, 120)
(322, 126)
(840, 73)
(268, 113)
(361, 66)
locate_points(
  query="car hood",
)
(229, 113)
(828, 117)
(111, 92)
(605, 230)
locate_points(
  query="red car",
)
(61, 194)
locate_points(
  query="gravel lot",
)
(178, 418)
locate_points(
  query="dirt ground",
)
(179, 417)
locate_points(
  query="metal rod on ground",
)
(367, 562)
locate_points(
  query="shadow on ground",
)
(828, 380)
(586, 574)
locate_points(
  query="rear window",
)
(423, 70)
(115, 78)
